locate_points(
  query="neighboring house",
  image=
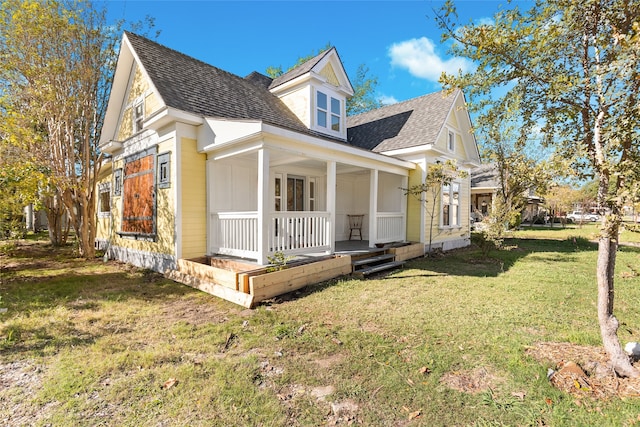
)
(204, 162)
(485, 184)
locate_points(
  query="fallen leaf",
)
(336, 341)
(171, 382)
(548, 401)
(410, 381)
(424, 370)
(415, 414)
(519, 394)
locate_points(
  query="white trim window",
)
(104, 209)
(450, 214)
(164, 170)
(328, 112)
(117, 182)
(138, 115)
(451, 141)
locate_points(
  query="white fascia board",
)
(117, 94)
(284, 87)
(167, 115)
(217, 133)
(310, 146)
(402, 152)
(484, 189)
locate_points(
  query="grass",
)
(89, 343)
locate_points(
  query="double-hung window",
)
(451, 205)
(329, 112)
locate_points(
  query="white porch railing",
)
(299, 232)
(235, 233)
(390, 227)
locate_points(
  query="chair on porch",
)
(355, 224)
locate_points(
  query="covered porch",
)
(279, 198)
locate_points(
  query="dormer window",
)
(329, 112)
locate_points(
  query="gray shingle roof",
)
(300, 69)
(411, 123)
(486, 176)
(190, 85)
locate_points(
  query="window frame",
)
(117, 182)
(104, 190)
(450, 212)
(333, 112)
(163, 170)
(451, 140)
(137, 120)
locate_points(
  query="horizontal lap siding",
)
(193, 191)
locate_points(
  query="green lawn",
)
(89, 343)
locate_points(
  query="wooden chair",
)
(355, 224)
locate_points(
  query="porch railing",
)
(236, 233)
(391, 227)
(299, 232)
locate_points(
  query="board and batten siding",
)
(193, 199)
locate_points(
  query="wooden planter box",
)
(247, 288)
(403, 253)
(269, 285)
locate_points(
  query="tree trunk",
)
(607, 247)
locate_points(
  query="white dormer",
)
(316, 92)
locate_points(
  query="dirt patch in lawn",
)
(583, 371)
(471, 381)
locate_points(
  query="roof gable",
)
(417, 122)
(411, 123)
(326, 67)
(195, 87)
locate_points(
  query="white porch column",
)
(403, 205)
(331, 204)
(373, 208)
(263, 205)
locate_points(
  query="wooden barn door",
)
(138, 211)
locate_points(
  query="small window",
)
(451, 205)
(164, 170)
(104, 208)
(329, 112)
(335, 115)
(322, 109)
(138, 116)
(117, 182)
(312, 194)
(451, 141)
(278, 193)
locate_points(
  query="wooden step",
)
(376, 268)
(373, 259)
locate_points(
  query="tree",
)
(439, 176)
(364, 85)
(55, 76)
(569, 69)
(561, 198)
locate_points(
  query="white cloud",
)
(387, 99)
(420, 58)
(484, 21)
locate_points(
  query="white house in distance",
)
(207, 163)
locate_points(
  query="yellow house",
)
(204, 162)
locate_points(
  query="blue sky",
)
(398, 40)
